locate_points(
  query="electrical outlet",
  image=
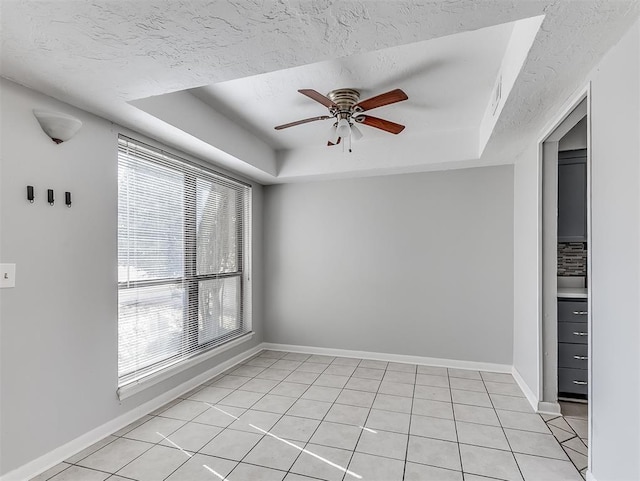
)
(7, 275)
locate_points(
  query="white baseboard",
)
(67, 450)
(58, 455)
(430, 361)
(548, 408)
(590, 476)
(531, 397)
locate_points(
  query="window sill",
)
(146, 382)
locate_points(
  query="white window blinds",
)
(183, 265)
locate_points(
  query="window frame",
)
(190, 280)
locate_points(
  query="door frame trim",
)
(568, 108)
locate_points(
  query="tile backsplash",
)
(572, 259)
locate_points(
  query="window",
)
(183, 263)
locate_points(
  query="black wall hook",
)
(30, 196)
(50, 196)
(67, 199)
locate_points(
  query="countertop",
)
(572, 292)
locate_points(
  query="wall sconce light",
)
(60, 127)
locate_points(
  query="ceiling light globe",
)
(356, 133)
(343, 130)
(333, 134)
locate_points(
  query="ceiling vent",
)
(496, 95)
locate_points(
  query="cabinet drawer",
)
(572, 311)
(572, 332)
(572, 355)
(572, 381)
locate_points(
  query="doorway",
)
(566, 320)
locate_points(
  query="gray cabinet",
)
(572, 332)
(572, 196)
(572, 348)
(573, 356)
(572, 310)
(572, 383)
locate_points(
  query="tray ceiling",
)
(117, 59)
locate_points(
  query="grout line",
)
(154, 444)
(305, 443)
(281, 416)
(567, 447)
(92, 452)
(170, 404)
(59, 472)
(455, 424)
(572, 434)
(245, 410)
(151, 445)
(577, 452)
(413, 397)
(328, 410)
(552, 419)
(505, 434)
(229, 372)
(353, 451)
(384, 430)
(299, 398)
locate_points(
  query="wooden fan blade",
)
(329, 144)
(318, 97)
(303, 121)
(391, 97)
(381, 124)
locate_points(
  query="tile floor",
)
(297, 417)
(571, 430)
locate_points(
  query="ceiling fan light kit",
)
(356, 133)
(346, 109)
(333, 134)
(343, 129)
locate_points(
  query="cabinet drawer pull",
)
(580, 383)
(580, 313)
(581, 358)
(576, 333)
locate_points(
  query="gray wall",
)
(526, 263)
(615, 247)
(58, 347)
(615, 263)
(418, 264)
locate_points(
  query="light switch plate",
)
(7, 275)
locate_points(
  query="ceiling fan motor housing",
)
(345, 99)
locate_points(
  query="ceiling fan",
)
(346, 108)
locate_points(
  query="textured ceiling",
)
(99, 55)
(448, 81)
